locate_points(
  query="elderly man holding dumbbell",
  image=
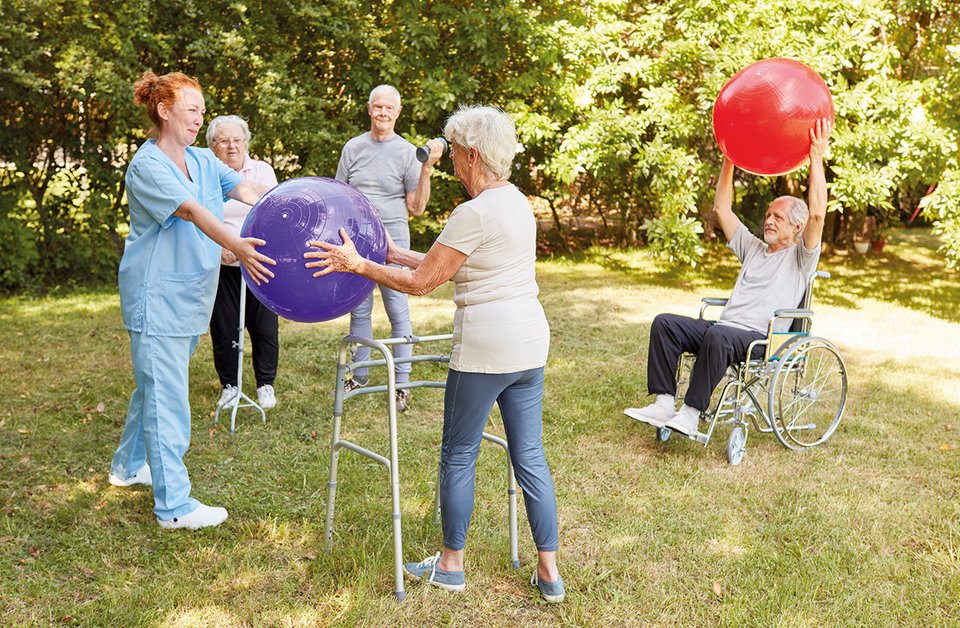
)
(395, 176)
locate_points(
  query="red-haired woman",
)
(168, 280)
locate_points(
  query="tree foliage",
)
(612, 100)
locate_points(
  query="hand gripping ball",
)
(763, 115)
(304, 209)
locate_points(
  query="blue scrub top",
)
(169, 269)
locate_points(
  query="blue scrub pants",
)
(157, 431)
(398, 311)
(468, 400)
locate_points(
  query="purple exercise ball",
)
(304, 209)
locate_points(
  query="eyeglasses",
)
(232, 140)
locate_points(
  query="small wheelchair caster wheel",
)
(736, 445)
(663, 434)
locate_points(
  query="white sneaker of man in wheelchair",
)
(661, 414)
(656, 414)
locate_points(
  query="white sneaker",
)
(686, 421)
(266, 397)
(654, 414)
(141, 477)
(227, 395)
(202, 517)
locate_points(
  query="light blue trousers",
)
(468, 400)
(398, 311)
(157, 431)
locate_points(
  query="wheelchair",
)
(797, 391)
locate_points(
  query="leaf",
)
(947, 446)
(717, 588)
(34, 551)
(100, 407)
(86, 571)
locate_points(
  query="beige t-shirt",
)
(499, 326)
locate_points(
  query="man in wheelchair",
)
(773, 275)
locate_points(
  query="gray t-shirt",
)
(767, 282)
(384, 172)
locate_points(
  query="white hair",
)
(798, 209)
(490, 132)
(383, 88)
(216, 122)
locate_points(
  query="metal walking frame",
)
(344, 365)
(240, 400)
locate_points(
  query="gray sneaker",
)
(351, 384)
(403, 400)
(551, 591)
(429, 571)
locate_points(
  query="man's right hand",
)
(436, 152)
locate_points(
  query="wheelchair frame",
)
(803, 378)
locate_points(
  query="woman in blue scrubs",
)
(168, 281)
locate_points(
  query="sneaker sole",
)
(639, 418)
(176, 525)
(115, 481)
(455, 588)
(693, 434)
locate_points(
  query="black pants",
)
(716, 348)
(261, 323)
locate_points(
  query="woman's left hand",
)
(334, 259)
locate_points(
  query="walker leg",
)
(334, 457)
(395, 485)
(512, 498)
(332, 486)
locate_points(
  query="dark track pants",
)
(261, 323)
(716, 348)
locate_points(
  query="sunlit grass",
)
(864, 528)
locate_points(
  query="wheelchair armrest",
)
(793, 313)
(711, 302)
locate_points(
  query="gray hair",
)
(490, 132)
(383, 88)
(216, 122)
(798, 209)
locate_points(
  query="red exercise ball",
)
(763, 115)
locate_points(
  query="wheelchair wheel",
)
(807, 393)
(663, 434)
(736, 445)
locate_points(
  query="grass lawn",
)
(862, 530)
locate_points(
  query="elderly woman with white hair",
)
(500, 338)
(229, 138)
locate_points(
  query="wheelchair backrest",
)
(799, 326)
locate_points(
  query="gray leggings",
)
(468, 400)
